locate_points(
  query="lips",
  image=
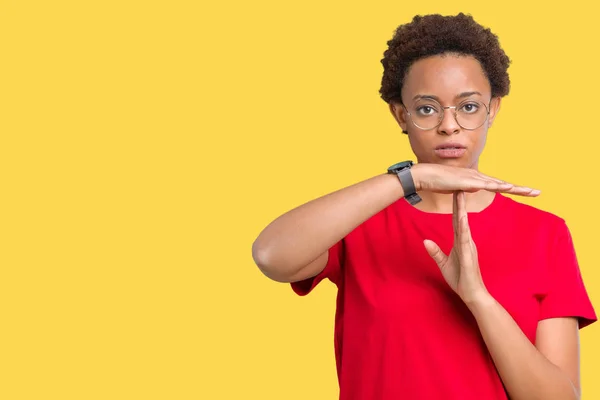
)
(451, 146)
(450, 150)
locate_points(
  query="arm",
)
(549, 371)
(294, 246)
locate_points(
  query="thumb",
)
(435, 252)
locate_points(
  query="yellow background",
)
(145, 144)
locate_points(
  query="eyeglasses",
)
(428, 114)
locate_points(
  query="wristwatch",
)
(402, 169)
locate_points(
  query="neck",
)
(441, 203)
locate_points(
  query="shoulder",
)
(530, 215)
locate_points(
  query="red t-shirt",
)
(400, 330)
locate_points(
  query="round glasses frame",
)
(454, 113)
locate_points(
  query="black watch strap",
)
(408, 185)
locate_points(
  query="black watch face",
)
(400, 165)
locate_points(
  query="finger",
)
(461, 205)
(494, 186)
(511, 189)
(435, 252)
(464, 232)
(455, 214)
(508, 187)
(466, 243)
(494, 179)
(475, 184)
(487, 177)
(524, 191)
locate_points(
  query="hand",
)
(447, 179)
(461, 267)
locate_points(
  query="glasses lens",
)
(426, 113)
(471, 114)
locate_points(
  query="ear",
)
(399, 115)
(494, 110)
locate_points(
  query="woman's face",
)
(446, 81)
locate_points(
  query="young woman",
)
(447, 288)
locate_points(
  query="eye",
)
(426, 110)
(470, 108)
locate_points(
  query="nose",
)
(449, 125)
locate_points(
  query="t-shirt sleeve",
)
(332, 271)
(567, 295)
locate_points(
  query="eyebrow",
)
(433, 97)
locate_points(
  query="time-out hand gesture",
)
(461, 267)
(448, 179)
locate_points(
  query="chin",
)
(462, 162)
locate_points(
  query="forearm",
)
(525, 372)
(301, 235)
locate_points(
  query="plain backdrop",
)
(145, 144)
